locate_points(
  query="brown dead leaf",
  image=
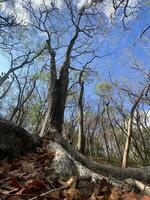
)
(72, 194)
(34, 187)
(145, 197)
(14, 197)
(129, 196)
(47, 155)
(54, 195)
(4, 167)
(116, 193)
(27, 167)
(16, 173)
(72, 182)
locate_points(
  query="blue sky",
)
(118, 43)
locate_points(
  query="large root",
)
(81, 163)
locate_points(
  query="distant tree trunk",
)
(81, 137)
(128, 141)
(114, 132)
(130, 123)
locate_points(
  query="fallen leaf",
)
(72, 194)
(72, 182)
(34, 187)
(4, 167)
(54, 195)
(14, 197)
(15, 183)
(115, 193)
(28, 167)
(129, 196)
(145, 197)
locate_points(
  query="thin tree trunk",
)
(127, 144)
(114, 133)
(130, 123)
(81, 137)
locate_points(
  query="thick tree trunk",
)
(57, 106)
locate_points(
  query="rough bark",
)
(58, 88)
(15, 141)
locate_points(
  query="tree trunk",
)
(130, 122)
(81, 137)
(57, 106)
(128, 141)
(58, 88)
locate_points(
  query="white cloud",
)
(106, 7)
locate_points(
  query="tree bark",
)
(141, 174)
(15, 141)
(58, 87)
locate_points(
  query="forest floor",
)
(27, 177)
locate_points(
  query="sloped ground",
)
(32, 177)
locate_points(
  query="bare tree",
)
(144, 92)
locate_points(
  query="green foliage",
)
(34, 113)
(42, 76)
(104, 89)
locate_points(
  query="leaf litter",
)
(26, 178)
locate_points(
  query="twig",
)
(50, 191)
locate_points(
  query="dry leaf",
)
(115, 194)
(27, 167)
(34, 187)
(73, 194)
(129, 196)
(54, 195)
(72, 182)
(16, 173)
(15, 197)
(145, 197)
(4, 167)
(15, 183)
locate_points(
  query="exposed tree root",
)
(140, 174)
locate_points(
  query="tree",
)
(130, 124)
(72, 40)
(58, 84)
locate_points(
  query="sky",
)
(121, 44)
